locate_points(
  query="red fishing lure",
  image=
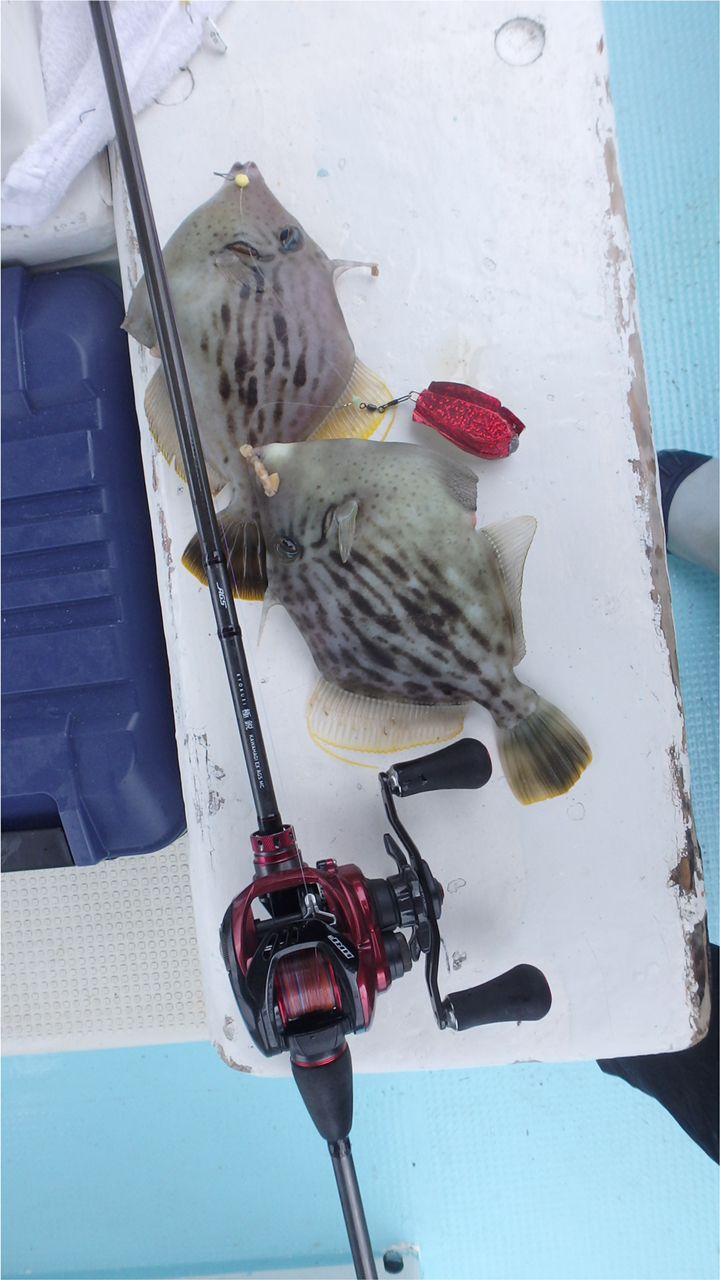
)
(475, 422)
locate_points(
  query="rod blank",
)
(352, 1207)
(178, 385)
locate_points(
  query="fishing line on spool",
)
(305, 984)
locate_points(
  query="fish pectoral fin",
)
(353, 722)
(138, 321)
(162, 426)
(345, 519)
(341, 265)
(245, 553)
(510, 540)
(346, 420)
(268, 603)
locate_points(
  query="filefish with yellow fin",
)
(266, 346)
(410, 612)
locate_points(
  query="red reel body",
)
(307, 972)
(338, 927)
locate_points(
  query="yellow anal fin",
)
(245, 552)
(162, 426)
(353, 722)
(347, 421)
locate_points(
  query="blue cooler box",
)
(87, 722)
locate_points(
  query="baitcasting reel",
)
(307, 968)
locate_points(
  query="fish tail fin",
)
(543, 755)
(245, 552)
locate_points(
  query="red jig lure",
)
(471, 419)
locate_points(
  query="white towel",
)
(156, 38)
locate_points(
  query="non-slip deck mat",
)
(99, 956)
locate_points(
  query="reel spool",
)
(305, 986)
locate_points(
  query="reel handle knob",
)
(520, 995)
(464, 764)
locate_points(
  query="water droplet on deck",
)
(520, 41)
(456, 885)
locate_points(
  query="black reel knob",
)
(520, 995)
(463, 765)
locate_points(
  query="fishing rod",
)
(307, 970)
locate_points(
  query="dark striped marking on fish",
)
(418, 613)
(281, 333)
(225, 316)
(359, 580)
(300, 375)
(378, 653)
(360, 602)
(397, 569)
(241, 364)
(224, 385)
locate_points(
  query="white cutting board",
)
(481, 172)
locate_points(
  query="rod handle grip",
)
(326, 1089)
(464, 764)
(520, 995)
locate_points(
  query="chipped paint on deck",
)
(687, 869)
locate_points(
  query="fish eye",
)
(288, 548)
(290, 239)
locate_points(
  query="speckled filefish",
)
(410, 612)
(266, 346)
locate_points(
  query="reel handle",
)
(520, 995)
(464, 764)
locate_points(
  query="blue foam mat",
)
(163, 1163)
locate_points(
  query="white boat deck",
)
(487, 187)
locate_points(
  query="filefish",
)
(266, 346)
(373, 551)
